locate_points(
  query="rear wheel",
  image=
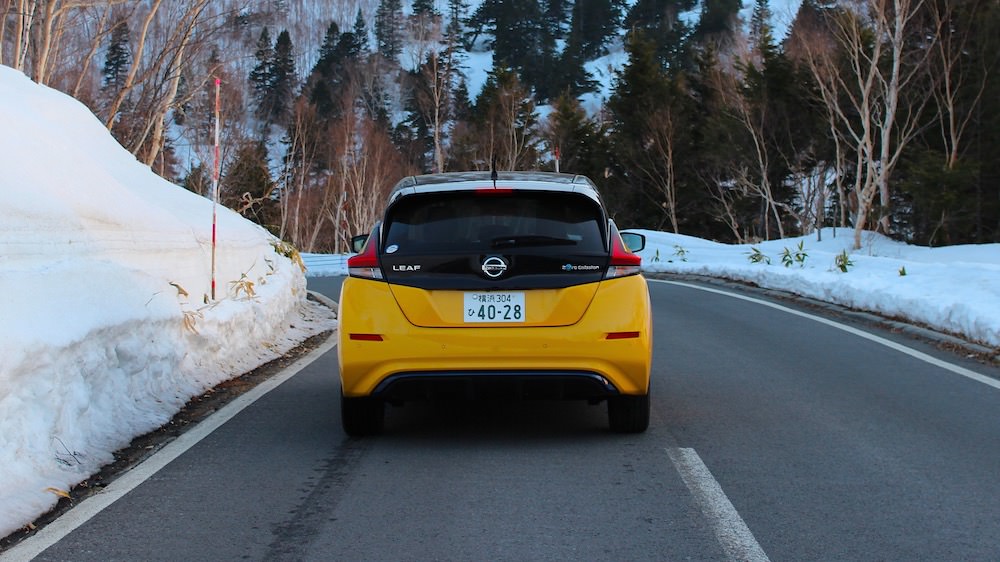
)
(628, 414)
(362, 416)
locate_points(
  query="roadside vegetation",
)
(866, 114)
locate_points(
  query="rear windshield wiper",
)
(530, 240)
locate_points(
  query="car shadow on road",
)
(498, 420)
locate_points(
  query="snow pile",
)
(105, 271)
(955, 288)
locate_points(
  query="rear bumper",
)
(577, 361)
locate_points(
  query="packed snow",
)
(108, 325)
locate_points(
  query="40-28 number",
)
(498, 312)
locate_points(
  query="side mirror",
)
(358, 243)
(633, 241)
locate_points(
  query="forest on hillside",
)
(866, 114)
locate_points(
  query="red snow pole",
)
(215, 182)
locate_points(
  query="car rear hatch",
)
(494, 257)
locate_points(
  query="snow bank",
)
(105, 271)
(954, 289)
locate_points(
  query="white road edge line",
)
(88, 508)
(860, 333)
(730, 530)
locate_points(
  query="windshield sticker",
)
(392, 249)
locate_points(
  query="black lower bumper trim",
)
(557, 385)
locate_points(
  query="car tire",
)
(362, 416)
(628, 414)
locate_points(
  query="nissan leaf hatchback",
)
(517, 284)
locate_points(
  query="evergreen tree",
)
(118, 58)
(717, 22)
(324, 77)
(261, 75)
(761, 30)
(520, 41)
(570, 75)
(661, 22)
(246, 185)
(639, 90)
(424, 7)
(359, 45)
(388, 28)
(455, 29)
(596, 22)
(461, 106)
(283, 80)
(198, 180)
(554, 17)
(328, 54)
(506, 120)
(572, 136)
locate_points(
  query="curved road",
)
(774, 436)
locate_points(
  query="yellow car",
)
(473, 284)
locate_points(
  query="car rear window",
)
(484, 223)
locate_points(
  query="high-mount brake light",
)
(365, 265)
(494, 191)
(623, 262)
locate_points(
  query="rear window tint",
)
(468, 222)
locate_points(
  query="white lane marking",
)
(860, 333)
(88, 508)
(730, 530)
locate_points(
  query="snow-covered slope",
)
(105, 270)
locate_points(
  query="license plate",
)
(494, 307)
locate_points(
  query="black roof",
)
(465, 181)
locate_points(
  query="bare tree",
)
(508, 126)
(753, 118)
(656, 162)
(863, 97)
(951, 74)
(175, 52)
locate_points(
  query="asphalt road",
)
(773, 436)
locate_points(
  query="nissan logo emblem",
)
(494, 266)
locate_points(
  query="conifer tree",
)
(455, 29)
(323, 79)
(260, 76)
(573, 136)
(661, 21)
(388, 28)
(506, 117)
(118, 58)
(359, 34)
(247, 183)
(596, 22)
(424, 7)
(717, 22)
(283, 80)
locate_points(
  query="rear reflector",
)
(366, 337)
(622, 335)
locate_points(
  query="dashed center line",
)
(730, 530)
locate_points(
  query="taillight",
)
(623, 262)
(365, 264)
